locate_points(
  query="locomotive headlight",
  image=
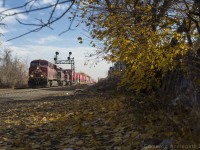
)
(42, 75)
(31, 76)
(37, 68)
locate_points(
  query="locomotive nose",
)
(37, 73)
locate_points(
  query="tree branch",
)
(32, 10)
(47, 24)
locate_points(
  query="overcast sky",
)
(44, 44)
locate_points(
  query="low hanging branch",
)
(29, 8)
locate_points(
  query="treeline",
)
(13, 72)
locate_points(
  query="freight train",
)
(45, 74)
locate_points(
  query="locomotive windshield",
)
(43, 63)
(39, 63)
(33, 64)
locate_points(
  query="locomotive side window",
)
(33, 64)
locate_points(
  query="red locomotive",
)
(44, 73)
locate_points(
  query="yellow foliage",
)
(136, 39)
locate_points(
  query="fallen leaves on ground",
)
(94, 121)
(61, 122)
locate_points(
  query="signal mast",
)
(70, 60)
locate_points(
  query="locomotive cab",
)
(41, 73)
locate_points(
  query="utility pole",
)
(68, 61)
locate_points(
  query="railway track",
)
(12, 91)
(33, 94)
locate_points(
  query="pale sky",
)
(44, 44)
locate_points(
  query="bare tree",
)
(13, 72)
